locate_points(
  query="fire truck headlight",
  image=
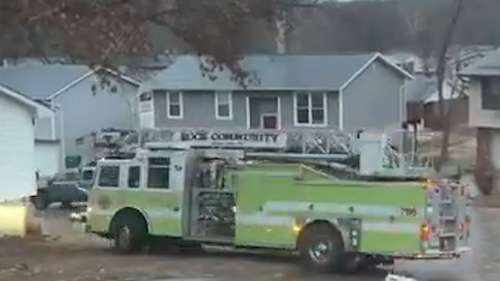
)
(296, 228)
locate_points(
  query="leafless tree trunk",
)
(441, 77)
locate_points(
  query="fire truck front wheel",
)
(321, 248)
(129, 233)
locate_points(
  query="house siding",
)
(199, 110)
(43, 129)
(47, 158)
(488, 138)
(487, 170)
(373, 100)
(477, 116)
(17, 147)
(83, 112)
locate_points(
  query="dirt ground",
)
(68, 254)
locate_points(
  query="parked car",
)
(66, 189)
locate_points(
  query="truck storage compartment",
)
(212, 201)
(213, 213)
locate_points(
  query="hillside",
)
(415, 25)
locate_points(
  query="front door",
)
(264, 113)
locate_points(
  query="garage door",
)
(47, 158)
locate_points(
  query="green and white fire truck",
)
(220, 197)
(236, 198)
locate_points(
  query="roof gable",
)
(420, 88)
(39, 81)
(35, 107)
(487, 66)
(378, 57)
(42, 81)
(271, 72)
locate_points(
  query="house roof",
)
(487, 66)
(272, 72)
(42, 81)
(448, 93)
(424, 89)
(420, 88)
(36, 107)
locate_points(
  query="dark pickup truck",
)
(66, 189)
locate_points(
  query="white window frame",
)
(120, 177)
(181, 105)
(141, 177)
(146, 118)
(230, 101)
(310, 110)
(170, 187)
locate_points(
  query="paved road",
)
(486, 244)
(482, 264)
(79, 257)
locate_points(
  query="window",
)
(310, 109)
(158, 173)
(146, 96)
(490, 94)
(71, 162)
(134, 177)
(174, 105)
(109, 176)
(223, 105)
(146, 102)
(88, 175)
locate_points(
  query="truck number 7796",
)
(199, 197)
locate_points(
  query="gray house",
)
(484, 114)
(81, 106)
(344, 91)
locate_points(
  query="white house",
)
(80, 104)
(17, 144)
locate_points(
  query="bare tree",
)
(441, 77)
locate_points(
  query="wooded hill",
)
(414, 25)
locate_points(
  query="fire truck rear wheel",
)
(129, 234)
(321, 248)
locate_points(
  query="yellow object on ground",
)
(16, 219)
